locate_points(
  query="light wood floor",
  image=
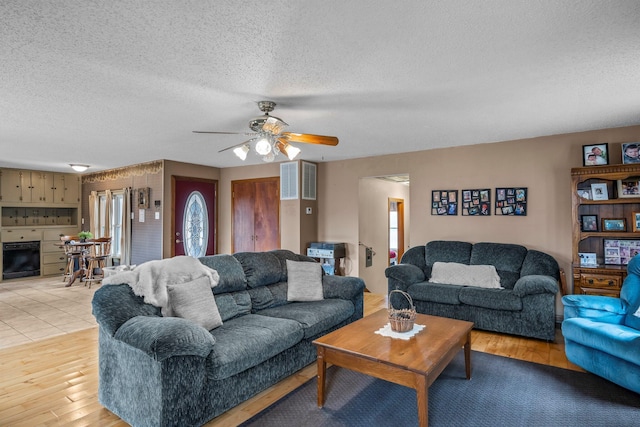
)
(54, 382)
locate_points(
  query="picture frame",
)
(635, 222)
(629, 188)
(511, 201)
(584, 193)
(477, 202)
(444, 202)
(599, 191)
(630, 152)
(614, 224)
(588, 259)
(143, 198)
(595, 154)
(620, 251)
(588, 223)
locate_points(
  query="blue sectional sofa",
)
(169, 371)
(602, 334)
(523, 304)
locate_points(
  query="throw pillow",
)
(305, 281)
(194, 301)
(452, 273)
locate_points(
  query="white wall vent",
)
(288, 180)
(308, 181)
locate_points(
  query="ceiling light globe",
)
(79, 168)
(263, 146)
(292, 152)
(268, 158)
(241, 151)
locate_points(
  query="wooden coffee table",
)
(414, 363)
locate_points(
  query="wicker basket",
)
(401, 320)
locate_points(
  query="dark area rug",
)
(501, 392)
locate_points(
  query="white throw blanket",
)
(150, 280)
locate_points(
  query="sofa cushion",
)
(283, 255)
(260, 268)
(483, 276)
(507, 259)
(194, 301)
(435, 292)
(315, 317)
(617, 340)
(447, 251)
(268, 296)
(233, 305)
(247, 341)
(230, 271)
(495, 299)
(305, 281)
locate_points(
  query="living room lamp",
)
(78, 168)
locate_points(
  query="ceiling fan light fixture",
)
(78, 168)
(263, 146)
(241, 151)
(268, 158)
(291, 151)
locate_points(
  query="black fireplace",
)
(20, 259)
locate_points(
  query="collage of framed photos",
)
(477, 202)
(598, 154)
(444, 202)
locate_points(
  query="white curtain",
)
(125, 237)
(93, 213)
(107, 214)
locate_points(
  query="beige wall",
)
(542, 164)
(373, 228)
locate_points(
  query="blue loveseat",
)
(602, 334)
(523, 305)
(169, 371)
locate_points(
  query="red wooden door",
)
(194, 216)
(256, 215)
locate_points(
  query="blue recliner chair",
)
(602, 334)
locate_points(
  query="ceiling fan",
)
(269, 138)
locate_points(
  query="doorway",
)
(195, 220)
(396, 230)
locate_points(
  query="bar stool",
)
(99, 253)
(73, 254)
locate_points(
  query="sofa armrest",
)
(343, 287)
(594, 307)
(535, 284)
(164, 337)
(401, 276)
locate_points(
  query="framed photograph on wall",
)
(444, 202)
(511, 201)
(630, 152)
(596, 154)
(143, 198)
(477, 202)
(589, 222)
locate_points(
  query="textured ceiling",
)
(114, 83)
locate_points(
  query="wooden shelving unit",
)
(604, 279)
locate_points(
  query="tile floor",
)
(33, 309)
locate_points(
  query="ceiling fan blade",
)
(308, 138)
(237, 145)
(225, 133)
